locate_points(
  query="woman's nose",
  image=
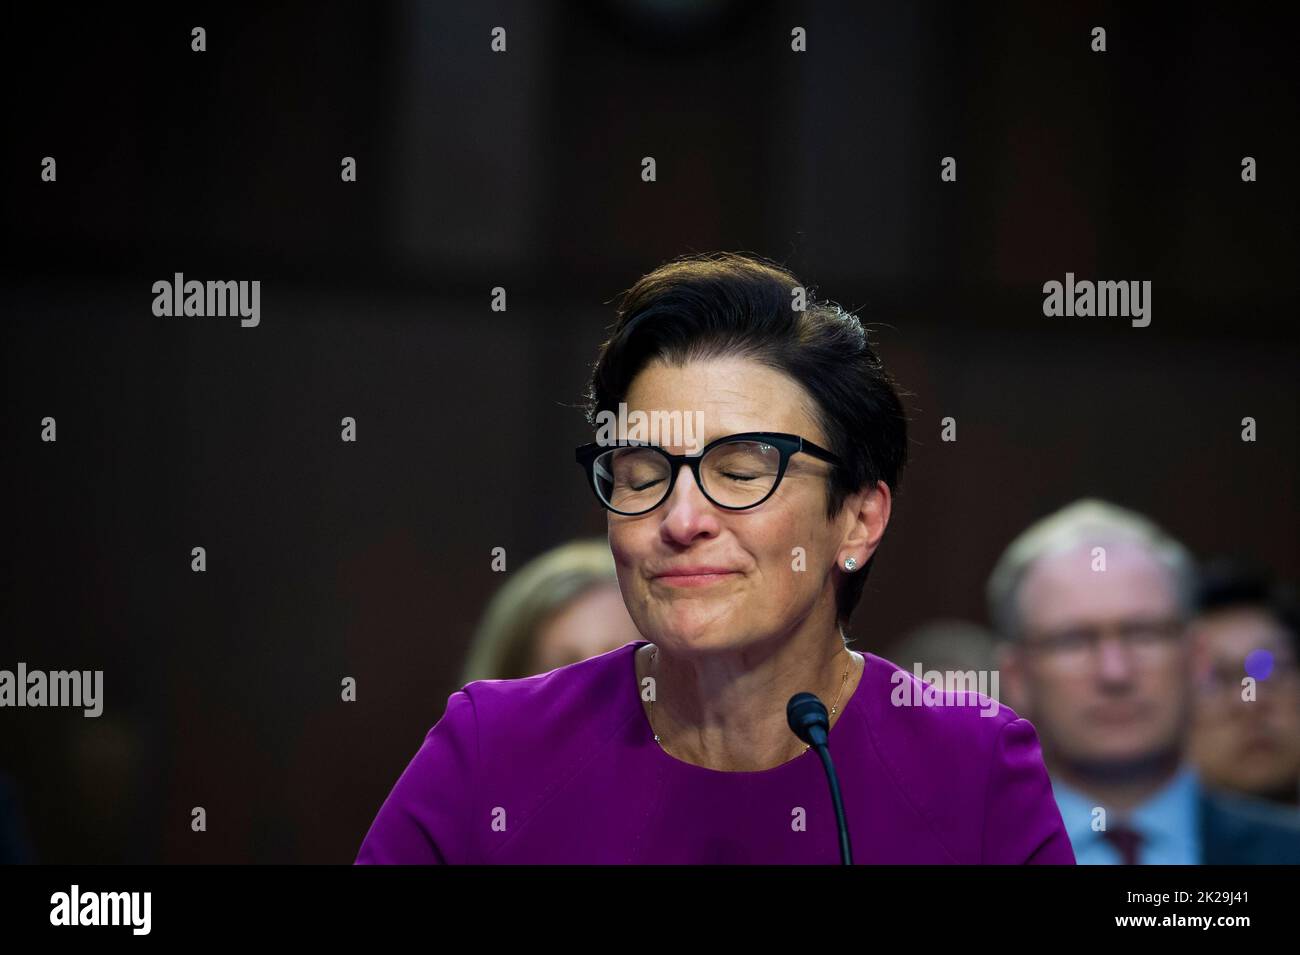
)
(687, 512)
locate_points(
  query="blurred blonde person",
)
(561, 607)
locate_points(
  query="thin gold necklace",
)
(654, 656)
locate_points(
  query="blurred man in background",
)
(1093, 603)
(1246, 730)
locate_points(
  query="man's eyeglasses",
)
(1076, 646)
(735, 472)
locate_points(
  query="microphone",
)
(808, 720)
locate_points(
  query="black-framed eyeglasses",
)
(735, 472)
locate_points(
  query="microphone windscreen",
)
(805, 712)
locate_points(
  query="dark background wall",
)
(522, 170)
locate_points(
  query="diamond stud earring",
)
(850, 563)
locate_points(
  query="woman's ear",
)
(866, 514)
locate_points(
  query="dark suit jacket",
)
(1236, 831)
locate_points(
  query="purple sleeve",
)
(426, 817)
(1022, 823)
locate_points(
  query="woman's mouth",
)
(694, 576)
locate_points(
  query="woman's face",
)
(762, 586)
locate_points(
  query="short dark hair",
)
(1228, 583)
(739, 305)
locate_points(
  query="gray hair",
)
(1087, 521)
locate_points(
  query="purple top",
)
(563, 768)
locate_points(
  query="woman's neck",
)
(726, 711)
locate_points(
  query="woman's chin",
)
(690, 633)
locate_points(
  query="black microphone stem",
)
(808, 720)
(841, 824)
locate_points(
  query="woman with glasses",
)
(740, 562)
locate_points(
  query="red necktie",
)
(1126, 840)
